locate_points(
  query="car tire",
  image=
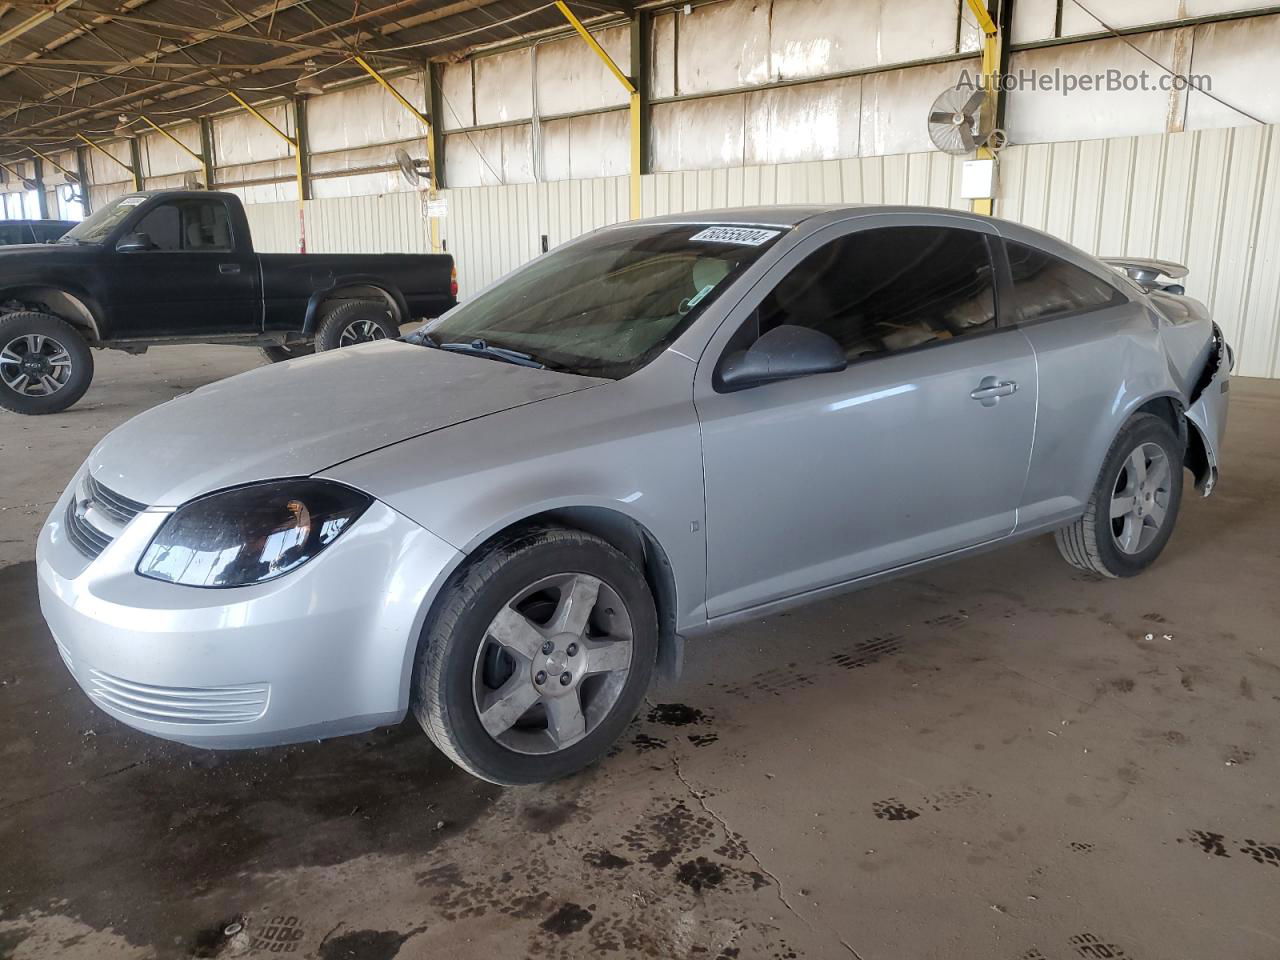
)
(468, 684)
(45, 363)
(353, 322)
(280, 352)
(1134, 505)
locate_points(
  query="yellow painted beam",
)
(985, 23)
(48, 159)
(14, 173)
(632, 93)
(599, 50)
(433, 181)
(165, 133)
(297, 162)
(990, 62)
(257, 113)
(114, 159)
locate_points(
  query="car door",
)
(919, 447)
(189, 278)
(1089, 337)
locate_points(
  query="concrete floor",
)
(1004, 760)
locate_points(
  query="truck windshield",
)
(606, 306)
(95, 227)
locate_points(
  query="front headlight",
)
(250, 534)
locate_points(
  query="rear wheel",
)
(537, 656)
(356, 321)
(1134, 506)
(45, 364)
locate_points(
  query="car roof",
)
(792, 215)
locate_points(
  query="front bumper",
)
(323, 651)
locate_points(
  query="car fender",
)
(62, 294)
(610, 449)
(1207, 413)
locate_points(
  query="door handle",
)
(990, 390)
(228, 268)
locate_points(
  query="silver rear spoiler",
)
(1146, 272)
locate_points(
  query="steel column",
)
(433, 182)
(634, 97)
(295, 143)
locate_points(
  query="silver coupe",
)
(510, 520)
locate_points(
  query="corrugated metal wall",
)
(1207, 198)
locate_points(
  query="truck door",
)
(180, 271)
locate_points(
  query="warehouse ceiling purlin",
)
(75, 66)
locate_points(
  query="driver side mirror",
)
(784, 353)
(134, 242)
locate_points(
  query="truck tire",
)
(1134, 505)
(45, 364)
(282, 352)
(356, 321)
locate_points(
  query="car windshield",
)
(606, 306)
(95, 227)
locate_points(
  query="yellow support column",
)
(433, 181)
(632, 93)
(137, 180)
(990, 65)
(297, 155)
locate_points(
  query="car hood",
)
(300, 417)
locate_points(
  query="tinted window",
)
(48, 232)
(1044, 286)
(188, 225)
(880, 291)
(11, 233)
(163, 226)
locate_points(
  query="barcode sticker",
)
(745, 236)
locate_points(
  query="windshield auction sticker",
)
(746, 236)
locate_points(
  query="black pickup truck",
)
(166, 267)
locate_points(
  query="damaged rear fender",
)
(1206, 415)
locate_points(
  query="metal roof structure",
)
(76, 66)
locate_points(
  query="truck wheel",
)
(277, 354)
(357, 321)
(45, 364)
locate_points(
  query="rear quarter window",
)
(1046, 286)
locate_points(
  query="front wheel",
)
(538, 655)
(45, 364)
(1134, 506)
(353, 322)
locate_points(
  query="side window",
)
(163, 226)
(193, 225)
(881, 291)
(206, 225)
(48, 232)
(1044, 286)
(11, 233)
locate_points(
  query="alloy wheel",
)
(1140, 499)
(35, 365)
(360, 331)
(553, 663)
